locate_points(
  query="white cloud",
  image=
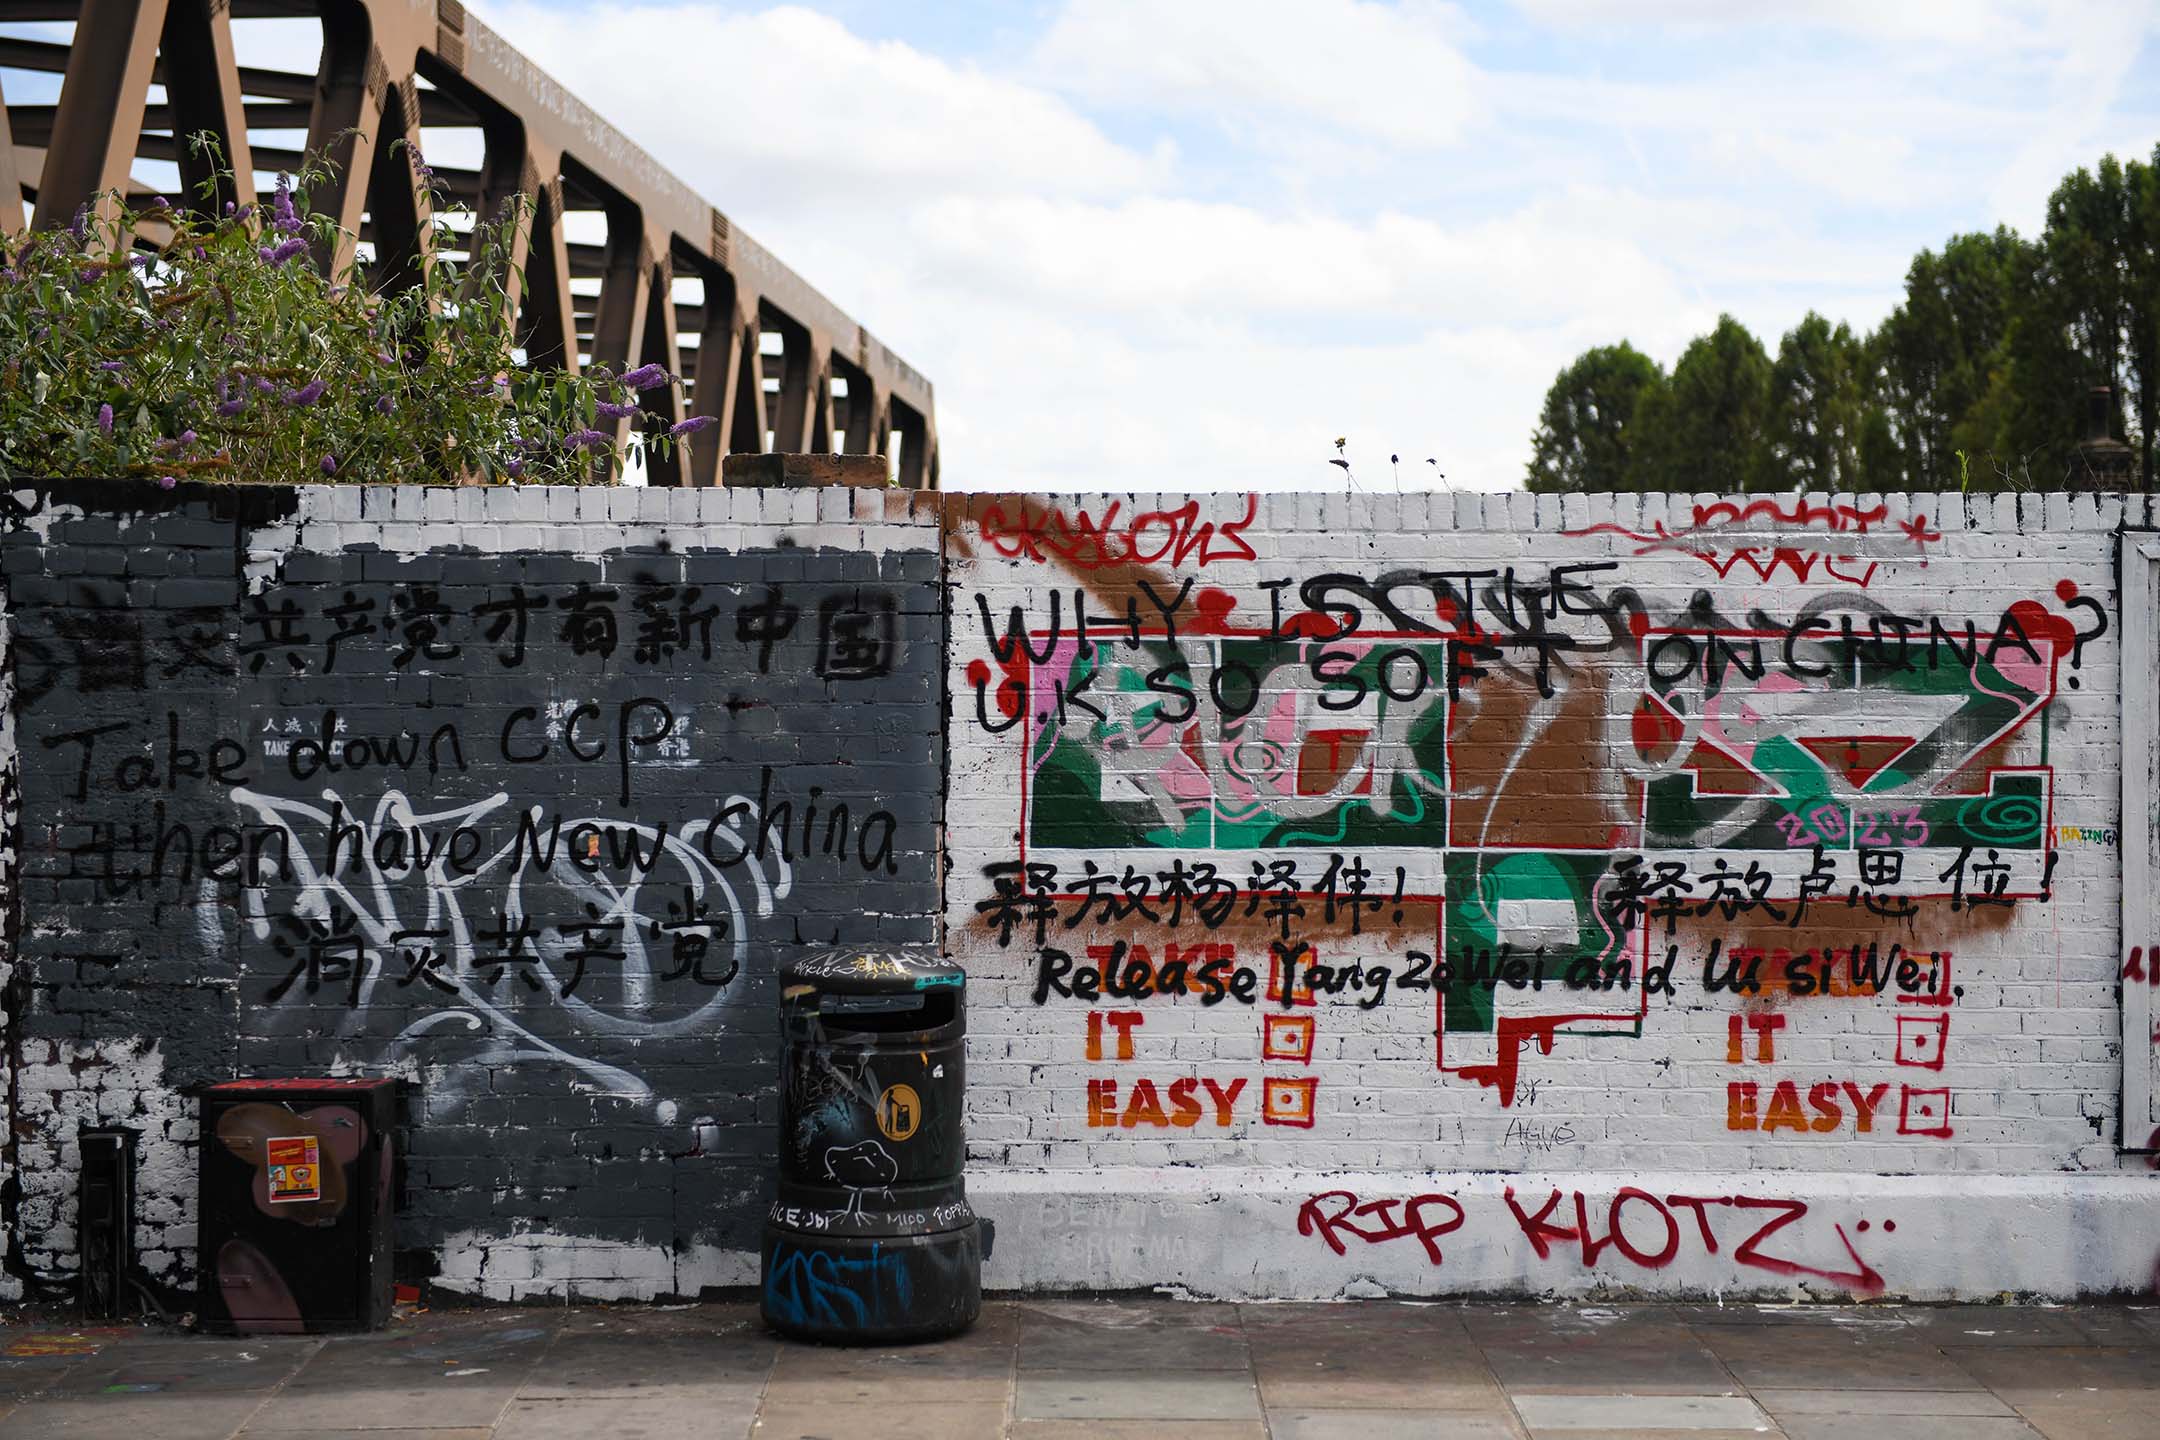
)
(788, 103)
(1961, 24)
(1188, 246)
(1388, 72)
(1179, 261)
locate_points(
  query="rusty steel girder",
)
(780, 367)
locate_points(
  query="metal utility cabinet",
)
(296, 1205)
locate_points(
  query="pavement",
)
(1048, 1369)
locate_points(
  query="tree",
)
(1586, 428)
(1935, 354)
(2099, 281)
(1820, 409)
(1705, 430)
(1977, 380)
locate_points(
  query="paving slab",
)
(1908, 1427)
(444, 1404)
(460, 1434)
(693, 1415)
(2118, 1415)
(2045, 1370)
(1407, 1359)
(191, 1365)
(2116, 1324)
(1083, 1336)
(1812, 1316)
(970, 1363)
(1567, 1414)
(1339, 1390)
(22, 1378)
(1988, 1327)
(1781, 1403)
(1770, 1432)
(782, 1421)
(165, 1417)
(1793, 1357)
(1319, 1424)
(1135, 1430)
(1597, 1351)
(1077, 1395)
(592, 1366)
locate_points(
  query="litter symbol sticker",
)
(295, 1169)
(899, 1111)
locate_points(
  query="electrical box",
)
(298, 1200)
(105, 1221)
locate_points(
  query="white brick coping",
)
(1234, 1234)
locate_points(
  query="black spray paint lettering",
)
(640, 724)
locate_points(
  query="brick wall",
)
(1401, 837)
(1359, 895)
(522, 795)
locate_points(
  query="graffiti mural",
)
(533, 829)
(1398, 843)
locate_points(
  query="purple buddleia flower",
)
(586, 440)
(645, 377)
(111, 367)
(692, 425)
(91, 272)
(140, 262)
(263, 384)
(104, 418)
(166, 482)
(230, 208)
(284, 250)
(232, 407)
(79, 227)
(515, 468)
(384, 404)
(187, 438)
(287, 221)
(329, 464)
(611, 411)
(307, 394)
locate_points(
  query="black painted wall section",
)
(534, 829)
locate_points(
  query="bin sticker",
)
(295, 1168)
(899, 1111)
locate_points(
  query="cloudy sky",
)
(1187, 243)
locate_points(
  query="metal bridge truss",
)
(776, 363)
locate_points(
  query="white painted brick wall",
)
(2031, 1059)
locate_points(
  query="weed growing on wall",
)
(157, 342)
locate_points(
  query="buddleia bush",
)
(167, 344)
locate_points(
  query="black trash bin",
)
(871, 1238)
